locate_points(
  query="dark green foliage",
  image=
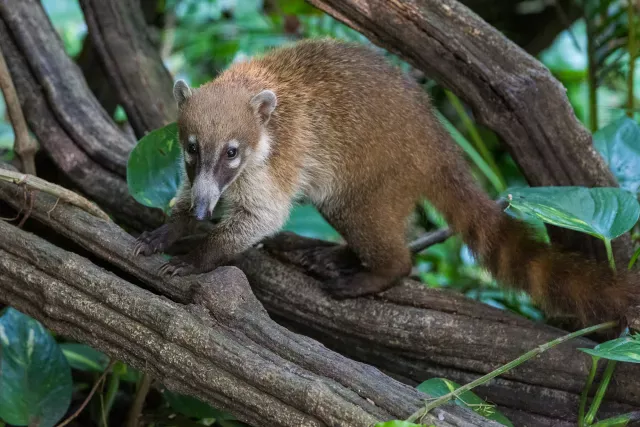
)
(619, 145)
(437, 387)
(35, 380)
(194, 408)
(84, 358)
(625, 349)
(605, 213)
(153, 170)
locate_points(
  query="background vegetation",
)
(593, 59)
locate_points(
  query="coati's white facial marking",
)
(235, 162)
(264, 147)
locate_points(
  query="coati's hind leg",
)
(376, 233)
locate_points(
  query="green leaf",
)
(84, 358)
(437, 387)
(192, 407)
(605, 213)
(153, 170)
(306, 221)
(619, 421)
(619, 144)
(35, 378)
(397, 423)
(625, 349)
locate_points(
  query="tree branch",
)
(69, 123)
(221, 347)
(132, 62)
(24, 146)
(411, 333)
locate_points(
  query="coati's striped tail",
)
(561, 282)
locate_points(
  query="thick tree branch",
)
(412, 333)
(509, 91)
(67, 120)
(132, 62)
(222, 347)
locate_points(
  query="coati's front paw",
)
(357, 285)
(185, 265)
(150, 242)
(176, 266)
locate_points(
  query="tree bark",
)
(69, 123)
(410, 332)
(215, 342)
(132, 62)
(531, 25)
(509, 91)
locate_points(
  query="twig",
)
(141, 395)
(24, 146)
(429, 239)
(91, 393)
(536, 351)
(29, 209)
(53, 189)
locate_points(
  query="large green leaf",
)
(192, 407)
(84, 358)
(625, 349)
(605, 213)
(438, 387)
(35, 378)
(619, 144)
(153, 170)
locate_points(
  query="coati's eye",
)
(192, 148)
(232, 152)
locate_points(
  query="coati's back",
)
(354, 113)
(359, 138)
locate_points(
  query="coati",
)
(337, 123)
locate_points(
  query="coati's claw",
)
(151, 242)
(176, 267)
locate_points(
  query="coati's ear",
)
(181, 92)
(263, 104)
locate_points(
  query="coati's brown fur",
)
(359, 140)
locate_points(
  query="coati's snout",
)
(214, 172)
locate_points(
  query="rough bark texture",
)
(410, 332)
(69, 123)
(131, 61)
(509, 91)
(215, 342)
(531, 25)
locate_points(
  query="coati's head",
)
(222, 129)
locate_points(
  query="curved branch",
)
(221, 347)
(65, 117)
(410, 332)
(133, 65)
